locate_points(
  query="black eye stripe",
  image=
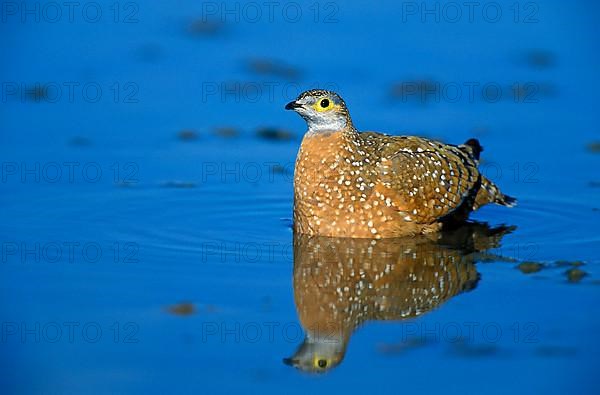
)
(325, 103)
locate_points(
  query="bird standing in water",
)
(371, 185)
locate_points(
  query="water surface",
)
(138, 258)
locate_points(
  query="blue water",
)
(113, 224)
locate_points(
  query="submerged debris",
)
(205, 27)
(280, 169)
(594, 147)
(555, 351)
(182, 309)
(179, 184)
(38, 93)
(575, 275)
(187, 135)
(227, 132)
(530, 267)
(568, 263)
(401, 347)
(80, 141)
(273, 68)
(469, 350)
(540, 59)
(274, 134)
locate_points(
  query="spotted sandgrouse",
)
(371, 185)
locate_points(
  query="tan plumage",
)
(371, 185)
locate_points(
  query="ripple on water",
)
(193, 220)
(181, 220)
(553, 227)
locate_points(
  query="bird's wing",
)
(427, 179)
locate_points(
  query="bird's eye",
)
(322, 363)
(324, 103)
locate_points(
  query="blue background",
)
(188, 211)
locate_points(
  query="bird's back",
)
(374, 185)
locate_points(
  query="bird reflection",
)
(340, 283)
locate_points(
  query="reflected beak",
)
(289, 361)
(292, 105)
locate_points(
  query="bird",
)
(373, 185)
(341, 284)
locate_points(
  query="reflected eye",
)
(324, 103)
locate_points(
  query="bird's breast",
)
(337, 191)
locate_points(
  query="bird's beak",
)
(290, 361)
(292, 105)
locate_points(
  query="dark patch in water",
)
(274, 134)
(530, 267)
(594, 147)
(402, 347)
(182, 309)
(273, 68)
(38, 93)
(469, 350)
(187, 135)
(568, 263)
(279, 169)
(227, 132)
(555, 351)
(179, 184)
(124, 184)
(205, 27)
(575, 275)
(150, 52)
(540, 59)
(80, 141)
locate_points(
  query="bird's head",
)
(318, 356)
(323, 111)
